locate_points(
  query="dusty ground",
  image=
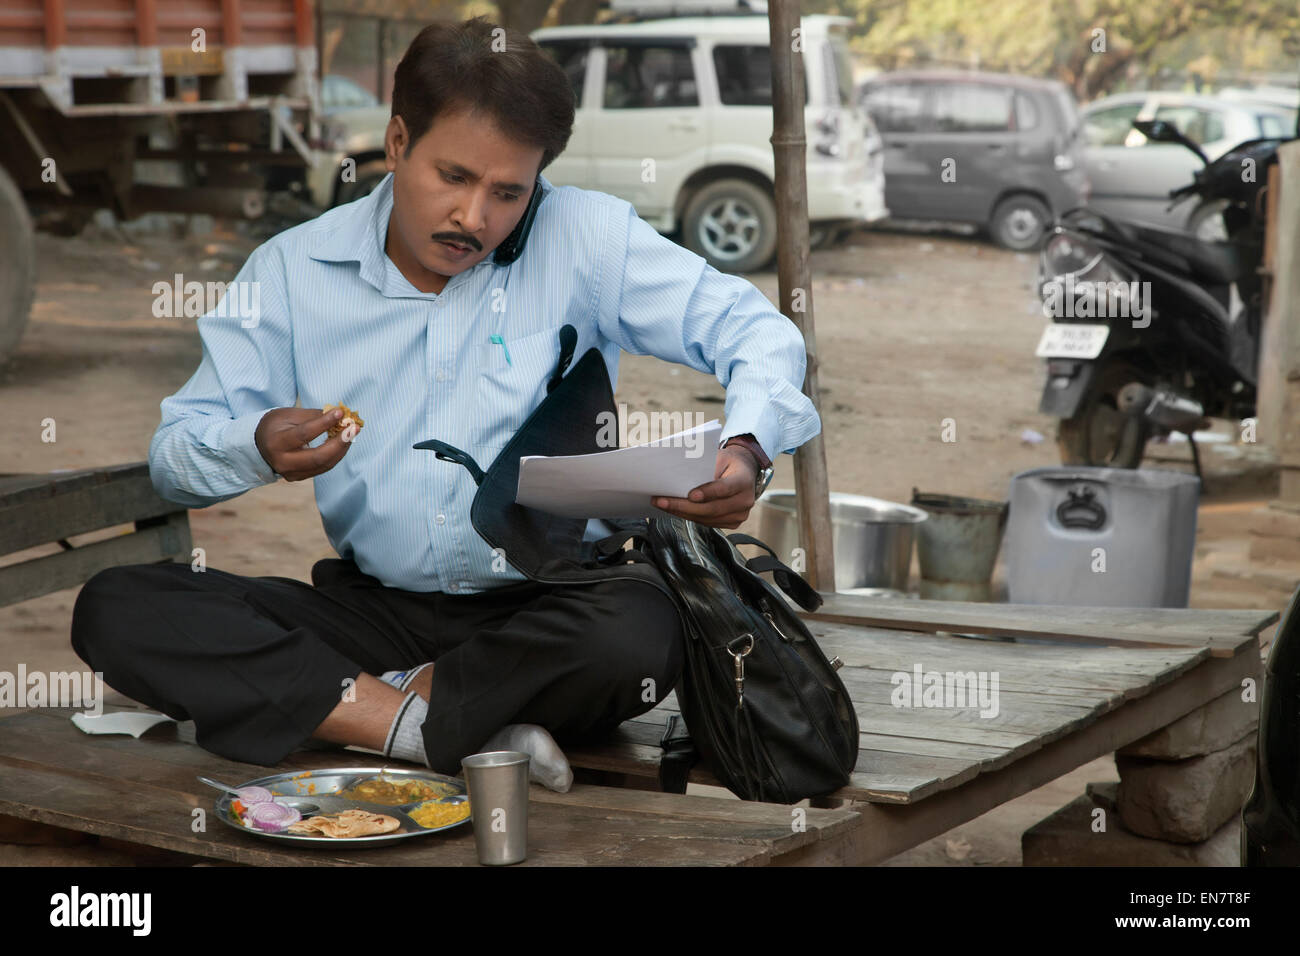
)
(912, 329)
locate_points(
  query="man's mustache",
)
(459, 240)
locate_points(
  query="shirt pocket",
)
(507, 389)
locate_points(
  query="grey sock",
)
(405, 740)
(404, 679)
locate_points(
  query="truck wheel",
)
(17, 267)
(1019, 223)
(732, 224)
(1100, 434)
(369, 175)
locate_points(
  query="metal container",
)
(1102, 537)
(872, 538)
(498, 792)
(958, 546)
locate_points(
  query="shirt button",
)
(441, 376)
(453, 586)
(440, 519)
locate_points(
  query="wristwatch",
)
(765, 470)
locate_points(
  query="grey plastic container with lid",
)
(1108, 537)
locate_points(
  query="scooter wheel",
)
(1100, 435)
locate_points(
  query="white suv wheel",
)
(732, 224)
(730, 230)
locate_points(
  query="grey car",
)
(994, 149)
(1131, 177)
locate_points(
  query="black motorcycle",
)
(1153, 330)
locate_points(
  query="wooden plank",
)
(883, 775)
(868, 647)
(20, 487)
(165, 541)
(144, 792)
(66, 505)
(1008, 725)
(558, 835)
(1098, 668)
(881, 683)
(889, 830)
(1222, 632)
(710, 809)
(951, 750)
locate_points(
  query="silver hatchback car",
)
(1131, 177)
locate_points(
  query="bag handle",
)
(741, 538)
(453, 454)
(790, 581)
(568, 342)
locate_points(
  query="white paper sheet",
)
(620, 483)
(118, 723)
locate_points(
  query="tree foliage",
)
(1089, 44)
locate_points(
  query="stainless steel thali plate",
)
(314, 792)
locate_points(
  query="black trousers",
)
(258, 662)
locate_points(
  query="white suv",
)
(675, 116)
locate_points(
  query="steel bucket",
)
(872, 538)
(958, 547)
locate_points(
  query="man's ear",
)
(396, 141)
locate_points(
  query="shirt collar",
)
(362, 231)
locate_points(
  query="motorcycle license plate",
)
(1068, 340)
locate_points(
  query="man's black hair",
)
(492, 70)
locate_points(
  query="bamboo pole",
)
(789, 148)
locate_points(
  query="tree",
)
(1089, 44)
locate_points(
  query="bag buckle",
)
(738, 656)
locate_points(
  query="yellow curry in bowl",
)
(433, 814)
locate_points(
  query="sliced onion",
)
(251, 796)
(272, 816)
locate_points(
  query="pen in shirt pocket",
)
(498, 340)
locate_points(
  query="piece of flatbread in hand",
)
(338, 427)
(348, 824)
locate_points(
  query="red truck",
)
(140, 105)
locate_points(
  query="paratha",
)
(346, 825)
(342, 424)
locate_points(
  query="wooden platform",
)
(144, 792)
(1074, 684)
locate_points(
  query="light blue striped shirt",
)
(338, 322)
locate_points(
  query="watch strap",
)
(750, 443)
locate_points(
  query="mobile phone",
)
(512, 246)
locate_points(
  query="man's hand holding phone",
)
(283, 436)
